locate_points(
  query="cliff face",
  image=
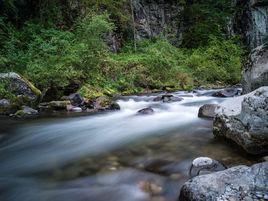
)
(252, 23)
(154, 17)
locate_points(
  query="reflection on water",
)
(121, 148)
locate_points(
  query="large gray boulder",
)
(20, 87)
(236, 183)
(244, 120)
(255, 70)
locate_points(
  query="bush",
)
(52, 57)
(156, 64)
(219, 61)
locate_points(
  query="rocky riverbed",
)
(117, 155)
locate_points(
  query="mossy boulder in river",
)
(104, 103)
(22, 90)
(26, 111)
(59, 105)
(6, 107)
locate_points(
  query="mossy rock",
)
(20, 88)
(104, 103)
(90, 92)
(26, 111)
(59, 105)
(7, 107)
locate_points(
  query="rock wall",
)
(251, 21)
(154, 17)
(255, 70)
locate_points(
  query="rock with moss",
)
(20, 87)
(59, 105)
(6, 107)
(26, 111)
(104, 103)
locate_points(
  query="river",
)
(116, 156)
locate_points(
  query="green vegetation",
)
(206, 18)
(4, 93)
(54, 50)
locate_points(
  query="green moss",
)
(90, 92)
(19, 113)
(36, 91)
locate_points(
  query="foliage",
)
(204, 18)
(4, 93)
(52, 57)
(56, 45)
(156, 64)
(219, 61)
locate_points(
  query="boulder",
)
(146, 111)
(6, 107)
(228, 92)
(26, 111)
(104, 103)
(255, 70)
(76, 99)
(57, 105)
(20, 86)
(208, 111)
(236, 183)
(168, 98)
(244, 120)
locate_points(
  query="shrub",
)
(219, 61)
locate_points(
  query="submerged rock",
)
(236, 183)
(208, 111)
(228, 92)
(168, 98)
(146, 111)
(246, 125)
(125, 185)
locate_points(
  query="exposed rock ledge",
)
(244, 120)
(236, 183)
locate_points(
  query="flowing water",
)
(117, 156)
